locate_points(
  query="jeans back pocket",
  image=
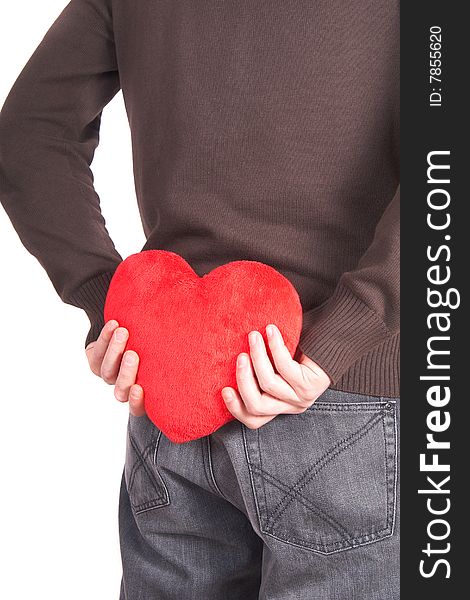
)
(325, 479)
(145, 486)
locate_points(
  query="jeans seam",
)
(211, 478)
(387, 485)
(350, 406)
(341, 545)
(395, 464)
(391, 486)
(262, 480)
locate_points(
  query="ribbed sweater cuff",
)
(339, 331)
(91, 297)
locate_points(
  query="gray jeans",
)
(304, 508)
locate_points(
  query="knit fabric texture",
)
(265, 131)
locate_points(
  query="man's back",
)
(265, 131)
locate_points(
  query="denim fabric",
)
(304, 508)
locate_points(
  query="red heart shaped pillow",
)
(188, 331)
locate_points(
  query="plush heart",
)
(188, 331)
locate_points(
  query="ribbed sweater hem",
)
(352, 344)
(377, 373)
(91, 297)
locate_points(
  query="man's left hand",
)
(264, 390)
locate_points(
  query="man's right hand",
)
(108, 360)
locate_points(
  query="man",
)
(261, 131)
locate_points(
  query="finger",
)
(236, 406)
(258, 403)
(283, 361)
(96, 350)
(246, 381)
(136, 401)
(318, 372)
(269, 381)
(126, 376)
(304, 387)
(112, 359)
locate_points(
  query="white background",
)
(62, 437)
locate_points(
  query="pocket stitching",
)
(371, 536)
(306, 502)
(162, 498)
(321, 463)
(343, 545)
(387, 485)
(363, 539)
(144, 454)
(166, 494)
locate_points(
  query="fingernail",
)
(253, 338)
(242, 360)
(270, 330)
(130, 359)
(227, 395)
(121, 335)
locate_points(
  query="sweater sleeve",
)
(364, 309)
(49, 130)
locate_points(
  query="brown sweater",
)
(263, 130)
